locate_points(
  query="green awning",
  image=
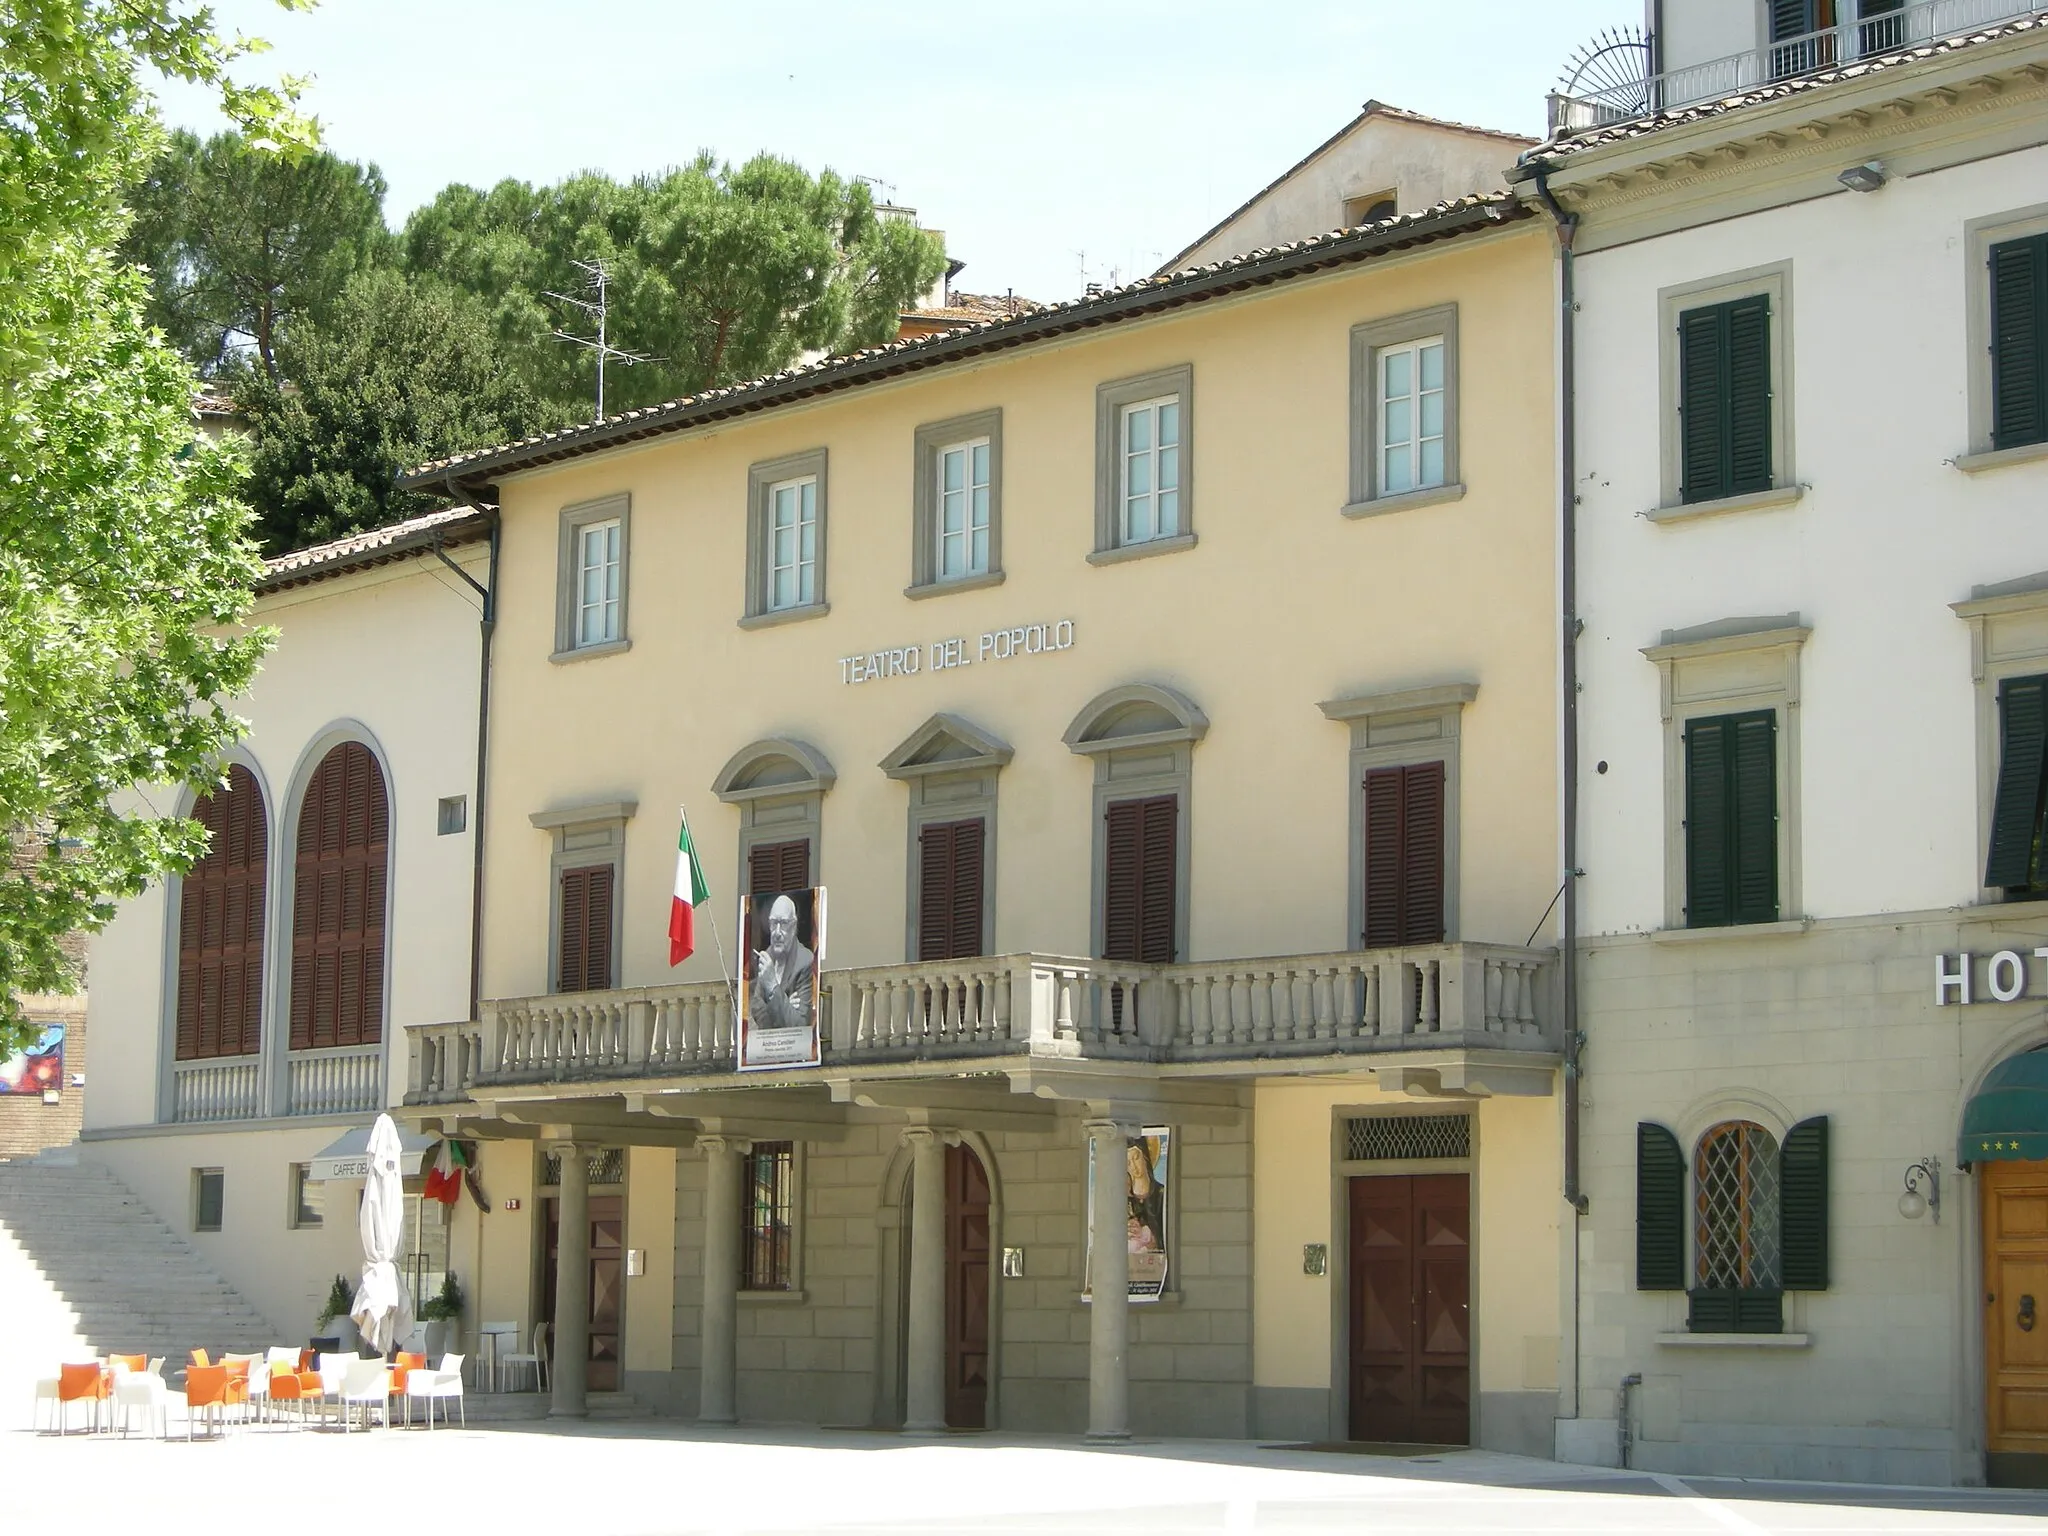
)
(2007, 1119)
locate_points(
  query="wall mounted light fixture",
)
(1913, 1204)
(1867, 177)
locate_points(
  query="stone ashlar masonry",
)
(832, 1353)
(27, 1124)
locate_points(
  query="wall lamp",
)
(1867, 177)
(1913, 1204)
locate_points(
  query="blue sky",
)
(1054, 142)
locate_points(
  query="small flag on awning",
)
(691, 893)
(444, 1179)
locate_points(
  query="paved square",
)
(662, 1479)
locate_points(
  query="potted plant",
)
(334, 1318)
(443, 1316)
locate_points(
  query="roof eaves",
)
(448, 528)
(1147, 296)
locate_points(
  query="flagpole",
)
(717, 943)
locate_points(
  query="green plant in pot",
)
(334, 1318)
(443, 1316)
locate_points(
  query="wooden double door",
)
(607, 1286)
(967, 1288)
(1411, 1286)
(2015, 1228)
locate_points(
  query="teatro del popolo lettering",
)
(940, 655)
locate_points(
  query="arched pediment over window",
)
(1136, 715)
(945, 744)
(778, 765)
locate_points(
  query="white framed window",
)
(792, 565)
(598, 548)
(1149, 491)
(961, 500)
(1410, 439)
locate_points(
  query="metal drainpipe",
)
(488, 594)
(1568, 603)
(1624, 1435)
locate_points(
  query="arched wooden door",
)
(338, 901)
(220, 926)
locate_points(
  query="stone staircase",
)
(87, 1269)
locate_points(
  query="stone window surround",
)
(1136, 767)
(1773, 279)
(762, 477)
(1979, 235)
(929, 439)
(1397, 730)
(1110, 400)
(2008, 638)
(296, 1178)
(958, 788)
(1722, 668)
(780, 811)
(573, 520)
(583, 836)
(1367, 340)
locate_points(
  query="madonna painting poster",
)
(782, 958)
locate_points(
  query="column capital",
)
(718, 1142)
(915, 1136)
(568, 1149)
(1111, 1125)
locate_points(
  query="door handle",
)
(2026, 1314)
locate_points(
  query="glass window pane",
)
(1138, 429)
(1169, 468)
(952, 506)
(1398, 475)
(1169, 422)
(979, 561)
(808, 542)
(1138, 479)
(981, 463)
(981, 506)
(782, 587)
(1432, 414)
(807, 582)
(807, 493)
(1398, 419)
(1394, 373)
(1432, 462)
(952, 469)
(785, 507)
(1433, 365)
(785, 547)
(1169, 514)
(1138, 519)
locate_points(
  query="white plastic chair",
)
(368, 1383)
(259, 1379)
(46, 1392)
(538, 1359)
(148, 1391)
(333, 1371)
(443, 1383)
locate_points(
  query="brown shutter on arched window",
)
(1138, 880)
(338, 903)
(220, 927)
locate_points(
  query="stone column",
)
(1109, 1305)
(570, 1345)
(925, 1375)
(718, 1336)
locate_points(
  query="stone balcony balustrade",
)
(1427, 1003)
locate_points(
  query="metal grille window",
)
(1406, 1138)
(607, 1166)
(1735, 1208)
(767, 1201)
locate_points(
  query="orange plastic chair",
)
(405, 1362)
(290, 1386)
(199, 1358)
(129, 1362)
(80, 1384)
(206, 1386)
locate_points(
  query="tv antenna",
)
(596, 308)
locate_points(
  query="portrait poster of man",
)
(782, 956)
(37, 1071)
(1146, 1172)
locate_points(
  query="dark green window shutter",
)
(1747, 1310)
(2016, 814)
(2019, 342)
(1660, 1210)
(1731, 819)
(1791, 18)
(1724, 399)
(1803, 1205)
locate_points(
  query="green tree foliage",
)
(243, 245)
(724, 273)
(124, 571)
(400, 372)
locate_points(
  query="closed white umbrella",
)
(383, 1310)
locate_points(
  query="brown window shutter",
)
(773, 867)
(338, 906)
(571, 926)
(1404, 856)
(949, 890)
(1138, 880)
(220, 927)
(597, 930)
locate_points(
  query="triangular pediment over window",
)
(945, 744)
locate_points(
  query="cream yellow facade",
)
(1299, 632)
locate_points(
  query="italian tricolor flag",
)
(691, 893)
(444, 1179)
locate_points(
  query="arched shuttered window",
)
(220, 927)
(338, 903)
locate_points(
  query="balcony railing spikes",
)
(1908, 26)
(1037, 1006)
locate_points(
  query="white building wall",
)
(1886, 536)
(1699, 31)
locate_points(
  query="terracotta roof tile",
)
(450, 525)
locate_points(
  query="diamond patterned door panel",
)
(967, 1281)
(1410, 1313)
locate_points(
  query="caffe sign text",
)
(960, 651)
